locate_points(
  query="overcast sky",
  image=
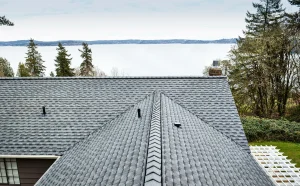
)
(124, 19)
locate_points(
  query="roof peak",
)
(121, 77)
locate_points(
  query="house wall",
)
(31, 170)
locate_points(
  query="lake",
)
(134, 60)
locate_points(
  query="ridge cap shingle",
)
(153, 175)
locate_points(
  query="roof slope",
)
(197, 154)
(113, 155)
(78, 106)
(152, 151)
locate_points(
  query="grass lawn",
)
(292, 150)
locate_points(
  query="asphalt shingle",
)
(197, 154)
(151, 150)
(113, 155)
(78, 106)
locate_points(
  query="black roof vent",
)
(139, 113)
(44, 110)
(177, 124)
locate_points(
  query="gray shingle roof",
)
(113, 155)
(78, 106)
(197, 154)
(152, 151)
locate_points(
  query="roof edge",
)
(31, 156)
(120, 77)
(46, 171)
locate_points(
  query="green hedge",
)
(293, 114)
(258, 129)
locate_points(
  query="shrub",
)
(293, 113)
(258, 129)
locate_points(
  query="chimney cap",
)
(215, 63)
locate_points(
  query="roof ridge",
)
(205, 122)
(120, 77)
(153, 173)
(107, 122)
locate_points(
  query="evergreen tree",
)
(52, 74)
(295, 2)
(5, 68)
(63, 62)
(86, 67)
(262, 72)
(22, 71)
(268, 13)
(34, 62)
(5, 22)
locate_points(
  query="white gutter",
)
(31, 156)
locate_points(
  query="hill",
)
(128, 41)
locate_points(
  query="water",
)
(134, 60)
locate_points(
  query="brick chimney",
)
(215, 70)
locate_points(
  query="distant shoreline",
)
(118, 42)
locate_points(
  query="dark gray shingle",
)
(78, 106)
(113, 155)
(120, 153)
(197, 154)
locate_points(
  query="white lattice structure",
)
(277, 166)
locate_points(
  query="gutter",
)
(31, 156)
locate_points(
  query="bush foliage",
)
(258, 129)
(294, 114)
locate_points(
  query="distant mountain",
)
(109, 42)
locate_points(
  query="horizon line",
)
(119, 40)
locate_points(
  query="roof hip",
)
(153, 166)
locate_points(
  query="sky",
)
(50, 20)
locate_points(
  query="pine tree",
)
(63, 62)
(52, 74)
(86, 67)
(34, 62)
(295, 2)
(5, 22)
(22, 70)
(5, 68)
(262, 73)
(268, 13)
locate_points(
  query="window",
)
(9, 171)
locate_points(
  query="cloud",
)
(39, 7)
(124, 19)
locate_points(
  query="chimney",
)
(215, 70)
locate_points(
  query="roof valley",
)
(153, 176)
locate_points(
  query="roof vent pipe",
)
(177, 124)
(139, 113)
(44, 110)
